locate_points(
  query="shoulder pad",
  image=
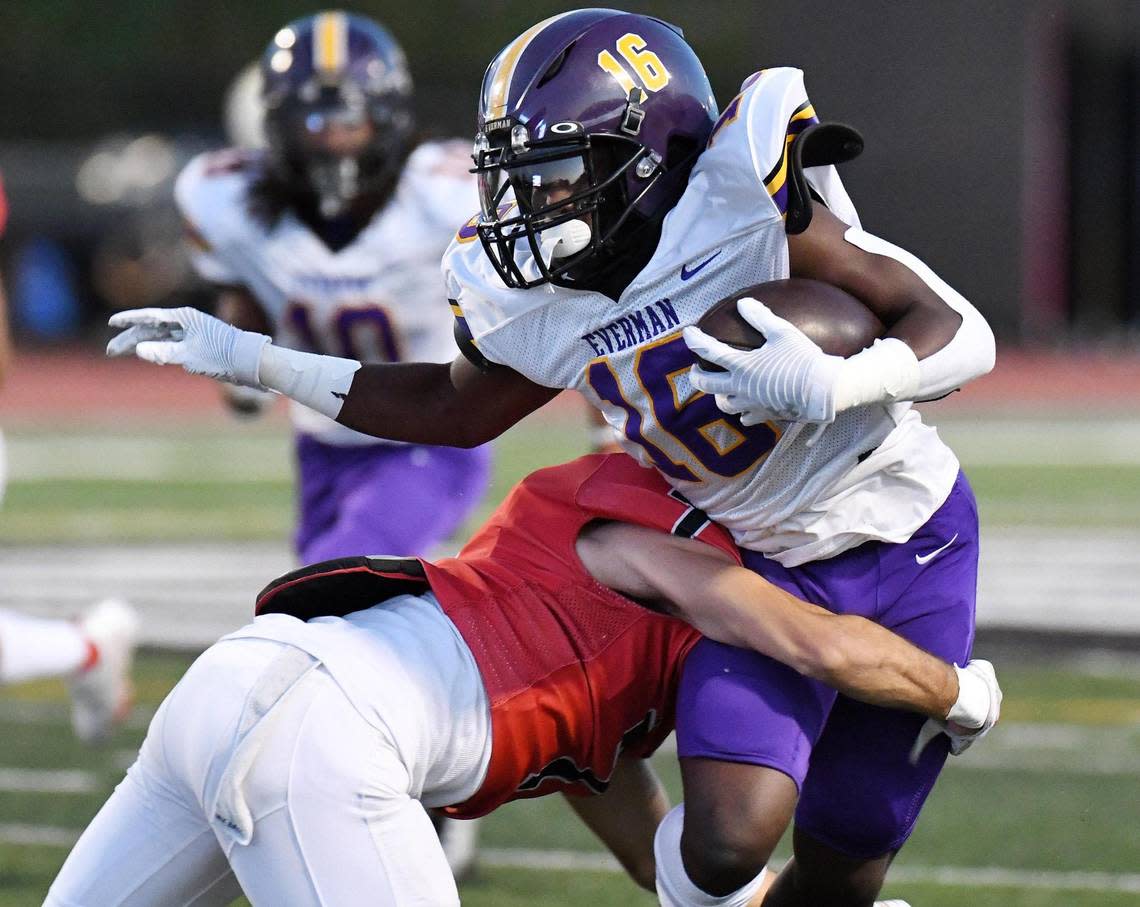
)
(747, 153)
(209, 187)
(211, 193)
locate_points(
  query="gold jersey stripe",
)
(775, 181)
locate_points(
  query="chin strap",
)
(817, 146)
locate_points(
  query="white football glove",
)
(975, 712)
(200, 343)
(788, 378)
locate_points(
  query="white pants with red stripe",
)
(260, 773)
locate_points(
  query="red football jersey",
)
(575, 673)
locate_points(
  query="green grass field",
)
(194, 483)
(1040, 824)
(1045, 814)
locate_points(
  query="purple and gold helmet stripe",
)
(330, 42)
(499, 79)
(776, 182)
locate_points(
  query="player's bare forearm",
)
(733, 605)
(626, 816)
(453, 404)
(909, 308)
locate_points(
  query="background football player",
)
(617, 206)
(94, 652)
(296, 758)
(330, 241)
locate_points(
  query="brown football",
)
(832, 318)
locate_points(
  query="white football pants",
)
(258, 772)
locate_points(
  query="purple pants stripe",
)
(383, 499)
(858, 793)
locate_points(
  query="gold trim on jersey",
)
(738, 437)
(778, 175)
(462, 319)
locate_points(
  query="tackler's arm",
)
(733, 605)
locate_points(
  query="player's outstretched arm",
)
(454, 403)
(733, 605)
(626, 816)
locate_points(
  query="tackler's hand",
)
(972, 716)
(788, 378)
(200, 343)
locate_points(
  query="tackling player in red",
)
(295, 759)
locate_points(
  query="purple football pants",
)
(383, 499)
(858, 792)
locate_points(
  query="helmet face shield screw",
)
(648, 165)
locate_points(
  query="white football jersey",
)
(877, 472)
(378, 299)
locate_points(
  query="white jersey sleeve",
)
(208, 191)
(747, 157)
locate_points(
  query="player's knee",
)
(719, 860)
(735, 883)
(735, 816)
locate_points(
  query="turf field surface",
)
(1043, 813)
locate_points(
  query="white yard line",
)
(578, 861)
(68, 781)
(190, 594)
(55, 714)
(997, 877)
(979, 441)
(37, 835)
(964, 876)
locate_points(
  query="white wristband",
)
(885, 372)
(319, 382)
(972, 707)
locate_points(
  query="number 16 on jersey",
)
(660, 406)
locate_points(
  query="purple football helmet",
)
(338, 119)
(589, 124)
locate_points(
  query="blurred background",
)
(1003, 147)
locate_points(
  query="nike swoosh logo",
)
(687, 272)
(921, 559)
